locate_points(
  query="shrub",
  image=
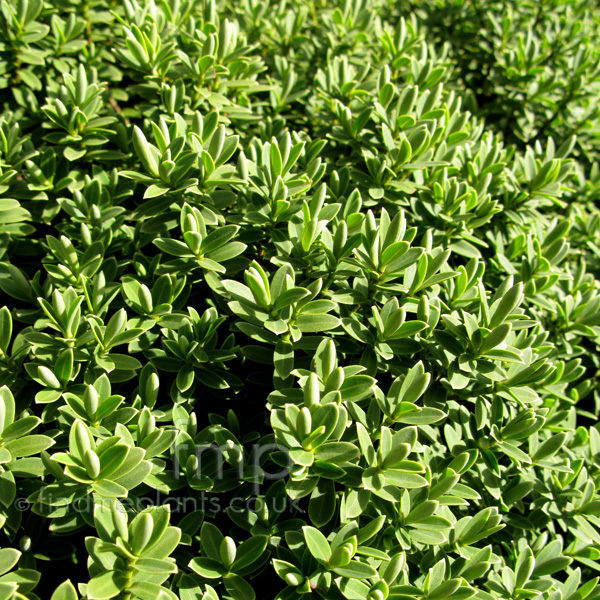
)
(299, 298)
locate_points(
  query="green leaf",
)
(552, 565)
(424, 416)
(109, 489)
(357, 387)
(550, 447)
(321, 506)
(218, 238)
(495, 337)
(238, 588)
(504, 307)
(314, 323)
(72, 154)
(154, 191)
(405, 480)
(8, 559)
(445, 590)
(283, 358)
(20, 428)
(317, 544)
(289, 297)
(337, 452)
(65, 591)
(29, 445)
(211, 538)
(356, 570)
(153, 566)
(151, 591)
(249, 552)
(207, 567)
(142, 149)
(106, 585)
(5, 329)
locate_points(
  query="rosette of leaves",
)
(130, 557)
(154, 305)
(200, 248)
(190, 348)
(97, 407)
(277, 305)
(277, 187)
(384, 254)
(22, 32)
(110, 467)
(16, 441)
(317, 564)
(225, 560)
(317, 457)
(76, 109)
(179, 163)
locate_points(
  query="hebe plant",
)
(299, 299)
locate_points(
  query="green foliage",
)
(299, 298)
